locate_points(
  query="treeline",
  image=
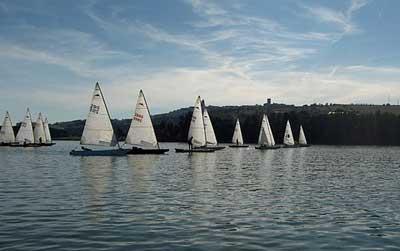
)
(341, 128)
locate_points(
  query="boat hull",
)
(238, 146)
(48, 144)
(291, 146)
(195, 150)
(113, 152)
(304, 145)
(5, 144)
(136, 150)
(24, 145)
(267, 147)
(215, 148)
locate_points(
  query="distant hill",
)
(334, 124)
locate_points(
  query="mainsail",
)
(98, 129)
(25, 132)
(237, 134)
(47, 131)
(141, 131)
(38, 131)
(270, 134)
(7, 132)
(264, 137)
(196, 129)
(302, 137)
(288, 137)
(209, 130)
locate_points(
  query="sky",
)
(230, 52)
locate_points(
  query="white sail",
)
(25, 132)
(264, 137)
(237, 134)
(38, 132)
(270, 134)
(47, 131)
(196, 129)
(98, 129)
(209, 130)
(7, 132)
(141, 131)
(288, 137)
(302, 137)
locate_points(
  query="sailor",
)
(190, 143)
(237, 141)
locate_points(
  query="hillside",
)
(323, 124)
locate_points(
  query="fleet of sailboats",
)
(99, 135)
(27, 136)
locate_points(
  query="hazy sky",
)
(229, 52)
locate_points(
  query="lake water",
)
(332, 198)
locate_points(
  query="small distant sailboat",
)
(237, 138)
(49, 141)
(196, 134)
(98, 130)
(38, 132)
(7, 136)
(288, 140)
(25, 137)
(302, 138)
(211, 139)
(266, 138)
(141, 133)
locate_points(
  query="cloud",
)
(343, 19)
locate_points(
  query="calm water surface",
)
(332, 198)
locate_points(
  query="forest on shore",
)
(337, 127)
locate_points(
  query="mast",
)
(108, 113)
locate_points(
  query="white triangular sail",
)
(38, 131)
(196, 129)
(264, 137)
(270, 134)
(7, 132)
(209, 129)
(47, 131)
(237, 134)
(141, 131)
(98, 129)
(25, 132)
(288, 137)
(302, 137)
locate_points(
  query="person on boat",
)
(237, 142)
(190, 143)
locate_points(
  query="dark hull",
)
(238, 146)
(215, 148)
(294, 146)
(5, 144)
(267, 147)
(304, 145)
(147, 151)
(24, 145)
(113, 152)
(196, 150)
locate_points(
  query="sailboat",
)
(25, 136)
(48, 142)
(288, 140)
(302, 138)
(237, 138)
(98, 130)
(141, 133)
(266, 138)
(196, 134)
(38, 131)
(6, 132)
(211, 140)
